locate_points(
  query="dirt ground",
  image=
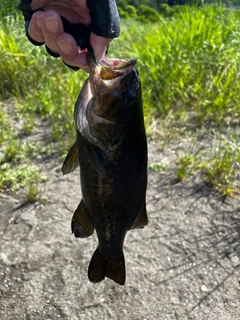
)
(184, 265)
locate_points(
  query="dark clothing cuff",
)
(104, 18)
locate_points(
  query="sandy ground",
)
(184, 265)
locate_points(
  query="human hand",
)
(45, 26)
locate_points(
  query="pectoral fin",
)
(142, 219)
(71, 161)
(81, 225)
(102, 164)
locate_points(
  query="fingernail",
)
(52, 24)
(38, 22)
(66, 46)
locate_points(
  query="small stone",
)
(204, 288)
(235, 260)
(4, 258)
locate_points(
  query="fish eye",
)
(128, 97)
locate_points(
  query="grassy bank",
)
(189, 66)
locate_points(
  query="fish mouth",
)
(110, 68)
(119, 68)
(118, 64)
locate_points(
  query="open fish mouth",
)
(120, 68)
(118, 64)
(110, 68)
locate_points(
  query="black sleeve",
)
(24, 6)
(104, 18)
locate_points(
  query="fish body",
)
(111, 150)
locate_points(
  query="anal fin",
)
(71, 161)
(142, 219)
(81, 225)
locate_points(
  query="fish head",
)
(114, 85)
(112, 92)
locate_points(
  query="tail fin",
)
(101, 266)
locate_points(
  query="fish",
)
(111, 150)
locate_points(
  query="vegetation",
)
(33, 86)
(145, 10)
(188, 60)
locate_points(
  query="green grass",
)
(189, 62)
(189, 66)
(39, 87)
(218, 164)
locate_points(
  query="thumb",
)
(99, 45)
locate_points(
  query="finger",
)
(81, 61)
(35, 29)
(99, 45)
(70, 52)
(51, 28)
